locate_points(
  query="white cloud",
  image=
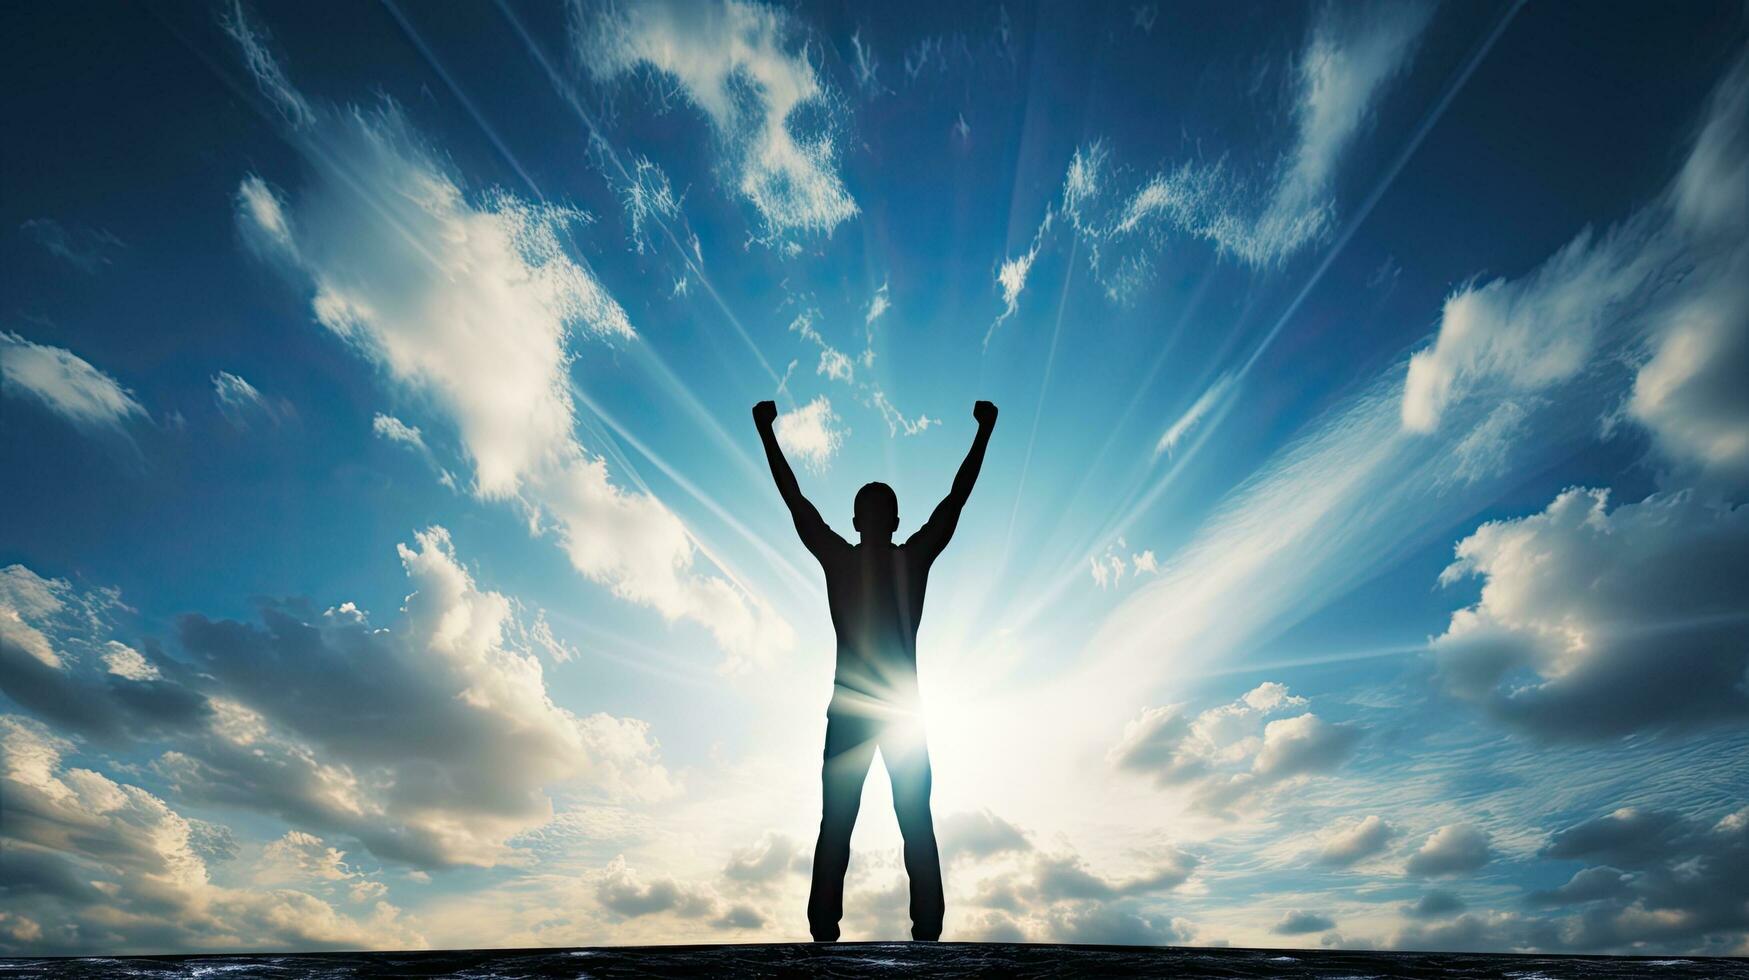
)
(1059, 876)
(472, 305)
(1365, 484)
(741, 65)
(27, 600)
(1593, 623)
(472, 302)
(1297, 922)
(877, 306)
(834, 365)
(432, 740)
(980, 834)
(812, 433)
(238, 400)
(1651, 880)
(1668, 279)
(393, 429)
(896, 420)
(107, 867)
(772, 858)
(1229, 754)
(233, 393)
(1011, 277)
(1110, 567)
(124, 661)
(1352, 53)
(299, 856)
(262, 220)
(64, 382)
(56, 663)
(1027, 895)
(838, 366)
(621, 890)
(1451, 850)
(1303, 744)
(1434, 904)
(1689, 394)
(647, 197)
(329, 721)
(1363, 839)
(1525, 335)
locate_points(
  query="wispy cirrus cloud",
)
(841, 367)
(239, 401)
(1193, 416)
(878, 306)
(472, 302)
(1350, 56)
(65, 383)
(785, 168)
(647, 197)
(392, 429)
(85, 249)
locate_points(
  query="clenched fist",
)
(985, 413)
(765, 413)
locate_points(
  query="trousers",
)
(851, 740)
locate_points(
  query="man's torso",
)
(876, 596)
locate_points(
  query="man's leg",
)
(850, 747)
(907, 759)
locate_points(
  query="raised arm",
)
(809, 524)
(935, 534)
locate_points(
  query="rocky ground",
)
(879, 959)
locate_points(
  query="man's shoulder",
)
(917, 552)
(834, 552)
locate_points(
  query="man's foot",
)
(826, 936)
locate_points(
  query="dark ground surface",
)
(879, 959)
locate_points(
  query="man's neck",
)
(871, 541)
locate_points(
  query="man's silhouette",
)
(875, 589)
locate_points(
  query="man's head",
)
(877, 511)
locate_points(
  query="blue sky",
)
(386, 559)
